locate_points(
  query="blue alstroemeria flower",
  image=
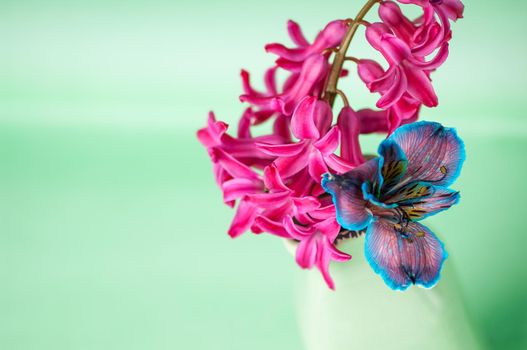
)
(389, 194)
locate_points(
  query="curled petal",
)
(374, 32)
(212, 134)
(306, 204)
(391, 15)
(264, 224)
(268, 200)
(295, 231)
(419, 86)
(329, 143)
(395, 92)
(306, 252)
(394, 49)
(295, 32)
(435, 154)
(323, 213)
(238, 188)
(317, 167)
(303, 120)
(272, 179)
(288, 166)
(231, 165)
(338, 164)
(285, 150)
(369, 70)
(243, 219)
(349, 125)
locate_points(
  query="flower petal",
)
(347, 195)
(281, 150)
(243, 219)
(317, 166)
(295, 33)
(264, 224)
(329, 143)
(348, 123)
(419, 85)
(239, 187)
(231, 165)
(295, 231)
(303, 120)
(272, 179)
(435, 154)
(413, 255)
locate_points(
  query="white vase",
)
(364, 313)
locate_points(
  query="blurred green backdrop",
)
(112, 232)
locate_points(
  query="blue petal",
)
(396, 254)
(435, 154)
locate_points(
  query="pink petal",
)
(323, 116)
(317, 167)
(288, 166)
(281, 127)
(212, 134)
(453, 9)
(244, 125)
(323, 260)
(395, 92)
(237, 188)
(295, 33)
(338, 164)
(270, 80)
(231, 165)
(267, 200)
(348, 123)
(330, 36)
(437, 61)
(295, 231)
(272, 179)
(420, 87)
(286, 150)
(306, 204)
(314, 69)
(329, 143)
(263, 224)
(329, 228)
(324, 212)
(372, 121)
(303, 120)
(243, 219)
(394, 49)
(306, 252)
(391, 14)
(369, 70)
(374, 33)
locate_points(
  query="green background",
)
(112, 231)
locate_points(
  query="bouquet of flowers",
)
(308, 179)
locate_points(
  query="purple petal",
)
(403, 257)
(435, 154)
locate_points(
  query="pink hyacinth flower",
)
(289, 58)
(314, 70)
(316, 247)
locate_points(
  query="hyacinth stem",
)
(330, 92)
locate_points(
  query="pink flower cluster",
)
(274, 180)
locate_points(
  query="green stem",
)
(330, 92)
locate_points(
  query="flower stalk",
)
(330, 91)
